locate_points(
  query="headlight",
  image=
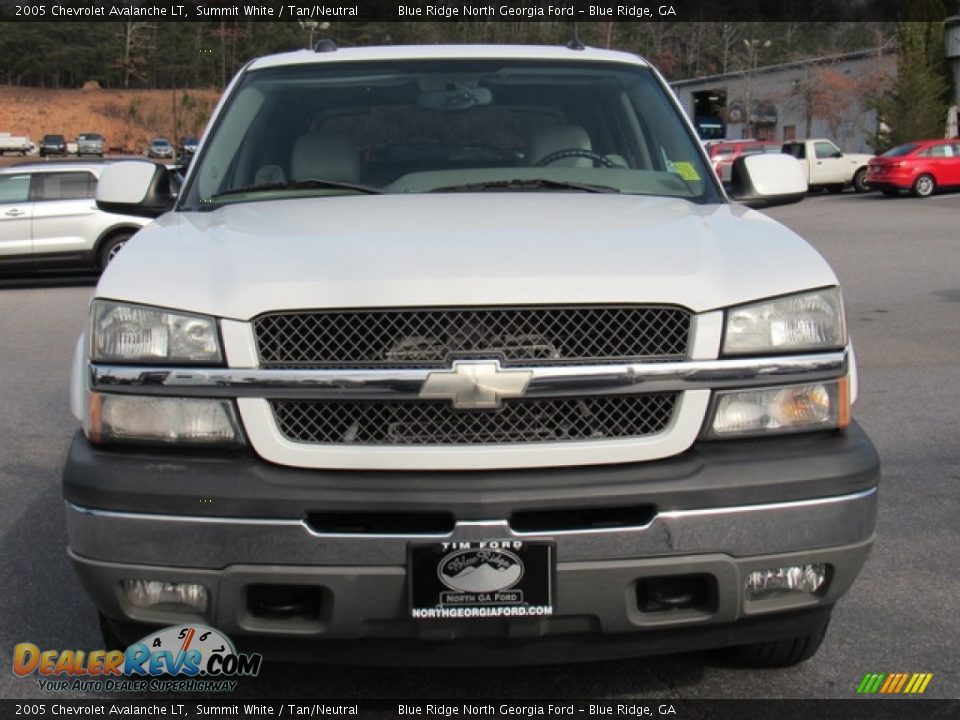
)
(137, 419)
(809, 321)
(136, 333)
(790, 408)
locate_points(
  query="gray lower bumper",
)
(363, 578)
(719, 511)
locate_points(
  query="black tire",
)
(779, 653)
(891, 192)
(924, 186)
(860, 181)
(118, 635)
(114, 636)
(110, 247)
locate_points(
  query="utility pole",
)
(753, 51)
(311, 26)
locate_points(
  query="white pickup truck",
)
(462, 354)
(827, 167)
(20, 144)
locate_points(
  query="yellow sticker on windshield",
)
(686, 170)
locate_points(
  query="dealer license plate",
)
(481, 579)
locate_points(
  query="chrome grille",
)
(517, 421)
(431, 338)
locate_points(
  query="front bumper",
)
(721, 510)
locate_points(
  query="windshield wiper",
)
(534, 184)
(306, 184)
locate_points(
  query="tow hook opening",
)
(284, 602)
(677, 592)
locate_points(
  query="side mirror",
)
(767, 180)
(135, 188)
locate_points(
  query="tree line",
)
(156, 55)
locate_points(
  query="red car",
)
(723, 152)
(923, 167)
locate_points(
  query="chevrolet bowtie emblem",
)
(475, 384)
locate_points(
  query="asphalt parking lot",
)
(899, 263)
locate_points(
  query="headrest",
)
(323, 156)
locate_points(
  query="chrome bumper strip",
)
(217, 542)
(406, 384)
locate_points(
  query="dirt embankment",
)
(127, 118)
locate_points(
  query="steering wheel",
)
(575, 152)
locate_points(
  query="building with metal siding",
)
(820, 97)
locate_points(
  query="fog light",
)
(765, 584)
(135, 418)
(790, 408)
(151, 593)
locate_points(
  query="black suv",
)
(188, 146)
(53, 145)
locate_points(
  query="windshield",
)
(451, 126)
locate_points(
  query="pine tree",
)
(915, 107)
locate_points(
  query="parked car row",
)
(922, 167)
(87, 144)
(91, 143)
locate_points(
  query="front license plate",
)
(485, 579)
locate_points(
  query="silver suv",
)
(90, 144)
(49, 219)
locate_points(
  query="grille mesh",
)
(517, 421)
(430, 338)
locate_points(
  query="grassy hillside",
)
(127, 118)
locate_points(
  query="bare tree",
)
(728, 44)
(136, 38)
(822, 92)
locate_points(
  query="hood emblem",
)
(475, 384)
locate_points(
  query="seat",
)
(548, 140)
(325, 156)
(269, 175)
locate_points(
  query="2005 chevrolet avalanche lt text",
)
(462, 355)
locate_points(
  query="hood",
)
(458, 250)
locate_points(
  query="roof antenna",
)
(325, 45)
(575, 43)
